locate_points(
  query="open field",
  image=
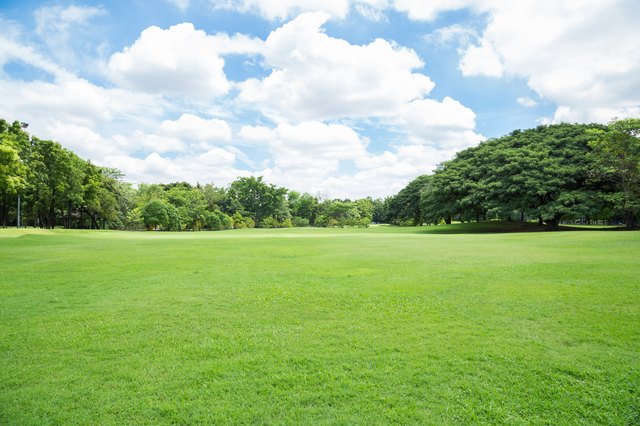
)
(319, 326)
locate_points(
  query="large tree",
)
(257, 199)
(544, 173)
(406, 205)
(617, 156)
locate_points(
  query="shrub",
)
(300, 222)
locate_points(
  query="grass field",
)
(308, 326)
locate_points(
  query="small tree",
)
(155, 214)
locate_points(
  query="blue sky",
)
(345, 98)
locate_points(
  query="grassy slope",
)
(319, 326)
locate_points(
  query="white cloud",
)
(318, 77)
(12, 51)
(73, 101)
(452, 34)
(214, 166)
(309, 147)
(179, 61)
(481, 60)
(526, 101)
(387, 173)
(197, 129)
(85, 142)
(582, 58)
(57, 20)
(309, 156)
(447, 125)
(67, 32)
(223, 44)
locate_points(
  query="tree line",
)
(56, 188)
(550, 174)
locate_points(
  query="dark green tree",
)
(617, 157)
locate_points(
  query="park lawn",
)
(319, 326)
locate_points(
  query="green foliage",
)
(300, 222)
(544, 173)
(304, 206)
(258, 200)
(406, 205)
(56, 186)
(217, 220)
(617, 158)
(565, 172)
(160, 215)
(241, 222)
(135, 220)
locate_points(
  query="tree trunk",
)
(478, 217)
(553, 224)
(447, 220)
(630, 219)
(52, 217)
(69, 215)
(540, 221)
(522, 216)
(3, 213)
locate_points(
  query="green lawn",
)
(306, 326)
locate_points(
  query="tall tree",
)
(258, 199)
(617, 156)
(406, 205)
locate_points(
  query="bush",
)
(270, 222)
(155, 214)
(134, 220)
(217, 220)
(238, 222)
(300, 222)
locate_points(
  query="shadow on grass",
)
(493, 227)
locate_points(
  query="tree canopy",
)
(549, 174)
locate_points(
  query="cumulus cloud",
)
(85, 142)
(215, 165)
(311, 147)
(590, 70)
(73, 101)
(317, 77)
(239, 44)
(447, 125)
(481, 60)
(179, 61)
(197, 129)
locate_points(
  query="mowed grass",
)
(307, 326)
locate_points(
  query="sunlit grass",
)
(352, 326)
